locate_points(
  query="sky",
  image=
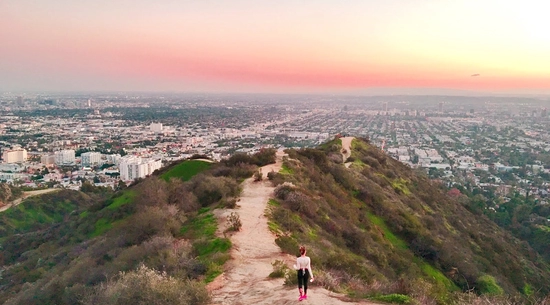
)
(282, 46)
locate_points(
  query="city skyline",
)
(493, 47)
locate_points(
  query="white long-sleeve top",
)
(304, 262)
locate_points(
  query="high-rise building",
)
(544, 113)
(386, 106)
(64, 157)
(440, 106)
(156, 127)
(15, 155)
(90, 158)
(132, 167)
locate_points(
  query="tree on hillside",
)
(152, 192)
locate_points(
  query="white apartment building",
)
(90, 158)
(64, 157)
(15, 155)
(132, 167)
(156, 127)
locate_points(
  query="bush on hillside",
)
(264, 157)
(238, 171)
(239, 158)
(152, 192)
(283, 190)
(487, 284)
(299, 202)
(210, 189)
(258, 176)
(147, 223)
(146, 286)
(275, 178)
(287, 244)
(280, 269)
(180, 196)
(234, 222)
(199, 156)
(316, 156)
(335, 157)
(371, 162)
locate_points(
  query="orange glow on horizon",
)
(311, 46)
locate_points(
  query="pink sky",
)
(246, 46)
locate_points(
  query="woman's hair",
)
(302, 250)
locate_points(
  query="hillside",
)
(376, 227)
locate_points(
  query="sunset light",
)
(314, 46)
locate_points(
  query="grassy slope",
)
(212, 251)
(41, 211)
(186, 170)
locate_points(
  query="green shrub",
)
(280, 269)
(487, 284)
(287, 244)
(393, 298)
(258, 176)
(282, 191)
(286, 219)
(265, 156)
(291, 279)
(210, 189)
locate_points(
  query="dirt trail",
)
(246, 280)
(346, 149)
(25, 196)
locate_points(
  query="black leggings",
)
(303, 277)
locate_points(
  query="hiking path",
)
(246, 280)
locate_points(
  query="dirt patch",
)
(346, 149)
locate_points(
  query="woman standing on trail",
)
(303, 265)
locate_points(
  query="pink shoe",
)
(301, 298)
(304, 297)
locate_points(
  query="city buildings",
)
(65, 157)
(47, 159)
(497, 144)
(89, 159)
(156, 127)
(15, 156)
(132, 167)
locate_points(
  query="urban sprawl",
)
(499, 144)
